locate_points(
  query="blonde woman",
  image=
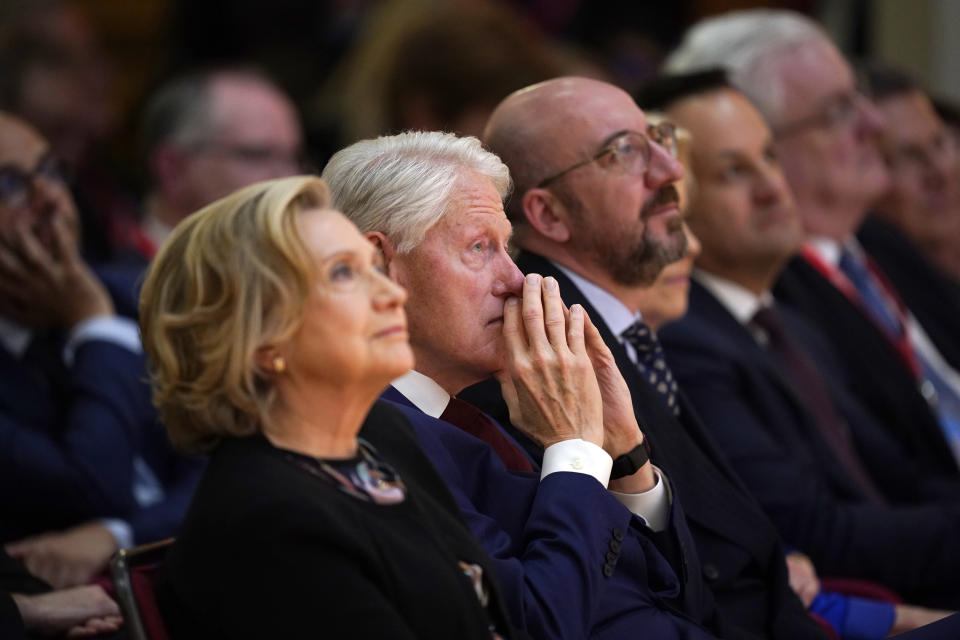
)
(271, 331)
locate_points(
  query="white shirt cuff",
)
(121, 531)
(652, 505)
(578, 456)
(116, 329)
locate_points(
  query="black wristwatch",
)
(630, 462)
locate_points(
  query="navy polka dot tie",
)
(651, 362)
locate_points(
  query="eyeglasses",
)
(254, 155)
(15, 183)
(837, 112)
(630, 150)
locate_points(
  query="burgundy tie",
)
(812, 389)
(470, 419)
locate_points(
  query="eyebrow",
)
(614, 136)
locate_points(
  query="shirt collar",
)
(423, 392)
(742, 303)
(14, 338)
(614, 313)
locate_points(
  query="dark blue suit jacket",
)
(876, 373)
(757, 419)
(69, 437)
(741, 557)
(551, 540)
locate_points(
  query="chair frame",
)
(120, 565)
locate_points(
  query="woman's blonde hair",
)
(231, 278)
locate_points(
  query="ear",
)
(263, 358)
(385, 247)
(166, 167)
(546, 214)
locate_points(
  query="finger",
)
(33, 253)
(63, 241)
(513, 334)
(575, 338)
(11, 264)
(532, 307)
(553, 314)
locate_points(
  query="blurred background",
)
(82, 70)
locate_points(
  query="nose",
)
(387, 294)
(663, 169)
(509, 279)
(770, 186)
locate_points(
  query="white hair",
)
(401, 185)
(750, 45)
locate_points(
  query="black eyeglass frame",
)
(15, 183)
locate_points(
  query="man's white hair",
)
(401, 185)
(750, 45)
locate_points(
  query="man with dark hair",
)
(207, 134)
(82, 453)
(595, 207)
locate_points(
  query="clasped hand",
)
(561, 381)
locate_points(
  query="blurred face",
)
(922, 199)
(32, 191)
(742, 211)
(629, 225)
(826, 138)
(666, 299)
(353, 329)
(458, 279)
(255, 136)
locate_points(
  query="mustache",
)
(665, 195)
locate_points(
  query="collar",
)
(155, 230)
(423, 392)
(614, 313)
(14, 338)
(739, 301)
(828, 249)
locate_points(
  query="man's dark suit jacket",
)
(739, 549)
(930, 295)
(552, 541)
(760, 423)
(269, 550)
(876, 372)
(69, 437)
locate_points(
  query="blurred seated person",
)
(79, 439)
(57, 77)
(665, 301)
(27, 605)
(272, 329)
(205, 135)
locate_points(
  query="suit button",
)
(615, 546)
(617, 534)
(611, 558)
(710, 572)
(608, 570)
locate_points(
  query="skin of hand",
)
(909, 617)
(66, 558)
(803, 577)
(549, 384)
(79, 612)
(48, 287)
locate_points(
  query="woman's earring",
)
(279, 364)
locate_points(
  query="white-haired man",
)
(571, 557)
(826, 136)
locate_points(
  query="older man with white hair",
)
(574, 538)
(826, 138)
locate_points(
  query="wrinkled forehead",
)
(811, 75)
(588, 117)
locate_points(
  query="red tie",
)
(470, 419)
